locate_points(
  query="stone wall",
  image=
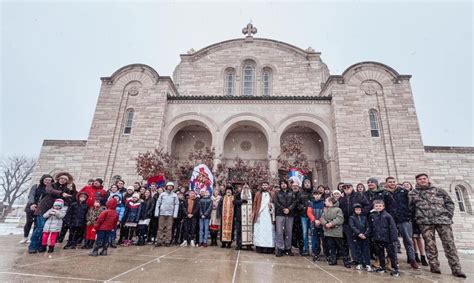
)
(60, 155)
(451, 167)
(295, 72)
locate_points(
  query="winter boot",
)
(423, 261)
(85, 246)
(332, 260)
(112, 244)
(94, 252)
(279, 253)
(50, 249)
(91, 245)
(417, 258)
(103, 252)
(42, 249)
(347, 262)
(289, 252)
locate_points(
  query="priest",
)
(263, 213)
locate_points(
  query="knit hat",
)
(373, 180)
(130, 188)
(170, 184)
(136, 195)
(59, 202)
(357, 205)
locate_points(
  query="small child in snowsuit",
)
(360, 230)
(92, 215)
(53, 224)
(131, 218)
(104, 225)
(77, 221)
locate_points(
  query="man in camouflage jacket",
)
(433, 209)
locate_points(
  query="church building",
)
(242, 97)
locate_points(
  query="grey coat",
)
(54, 221)
(167, 205)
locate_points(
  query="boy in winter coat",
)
(315, 211)
(205, 209)
(53, 225)
(131, 218)
(385, 235)
(360, 230)
(76, 214)
(118, 196)
(332, 220)
(92, 215)
(104, 226)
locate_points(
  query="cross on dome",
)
(249, 30)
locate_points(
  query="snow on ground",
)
(10, 229)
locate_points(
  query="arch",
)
(153, 74)
(462, 195)
(252, 119)
(311, 121)
(184, 120)
(351, 70)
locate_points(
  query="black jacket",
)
(303, 198)
(359, 225)
(146, 210)
(195, 211)
(401, 209)
(238, 207)
(76, 214)
(383, 227)
(285, 200)
(380, 195)
(346, 203)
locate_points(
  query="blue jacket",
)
(401, 209)
(383, 227)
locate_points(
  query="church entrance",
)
(190, 139)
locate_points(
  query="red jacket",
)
(108, 219)
(94, 193)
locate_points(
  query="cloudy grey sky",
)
(53, 54)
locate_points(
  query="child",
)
(332, 220)
(360, 229)
(131, 218)
(191, 208)
(91, 217)
(53, 225)
(120, 211)
(385, 235)
(215, 221)
(314, 212)
(77, 220)
(104, 226)
(205, 209)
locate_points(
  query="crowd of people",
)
(360, 226)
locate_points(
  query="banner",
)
(296, 175)
(158, 179)
(201, 178)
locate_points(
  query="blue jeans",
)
(203, 230)
(406, 231)
(361, 255)
(305, 228)
(317, 235)
(103, 239)
(37, 235)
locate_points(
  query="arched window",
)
(266, 81)
(374, 123)
(248, 78)
(462, 199)
(229, 81)
(128, 123)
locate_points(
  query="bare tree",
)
(15, 174)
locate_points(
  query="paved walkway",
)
(175, 264)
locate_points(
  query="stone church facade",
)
(242, 97)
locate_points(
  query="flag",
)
(158, 179)
(201, 178)
(296, 175)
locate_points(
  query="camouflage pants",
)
(447, 239)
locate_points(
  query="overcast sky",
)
(53, 54)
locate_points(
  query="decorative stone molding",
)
(371, 87)
(245, 145)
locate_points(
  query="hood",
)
(310, 188)
(82, 193)
(111, 204)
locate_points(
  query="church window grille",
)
(266, 81)
(229, 81)
(129, 122)
(249, 79)
(374, 123)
